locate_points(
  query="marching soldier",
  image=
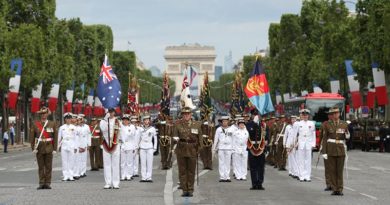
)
(164, 135)
(138, 130)
(109, 127)
(240, 154)
(323, 140)
(84, 144)
(272, 148)
(291, 145)
(336, 133)
(66, 145)
(207, 143)
(147, 148)
(279, 144)
(126, 133)
(188, 134)
(258, 139)
(43, 139)
(96, 141)
(223, 146)
(305, 132)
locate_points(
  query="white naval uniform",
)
(110, 160)
(66, 138)
(76, 158)
(223, 145)
(147, 148)
(306, 133)
(127, 150)
(84, 143)
(240, 154)
(289, 142)
(136, 159)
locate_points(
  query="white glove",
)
(176, 138)
(54, 152)
(325, 156)
(101, 146)
(35, 151)
(347, 135)
(154, 150)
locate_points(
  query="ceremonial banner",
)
(257, 89)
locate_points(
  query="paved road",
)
(369, 176)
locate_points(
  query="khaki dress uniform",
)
(335, 132)
(189, 136)
(95, 154)
(323, 141)
(207, 144)
(44, 150)
(165, 139)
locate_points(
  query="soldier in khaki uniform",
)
(336, 133)
(281, 155)
(43, 139)
(273, 132)
(208, 131)
(165, 134)
(188, 133)
(94, 149)
(323, 141)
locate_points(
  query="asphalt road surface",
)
(368, 183)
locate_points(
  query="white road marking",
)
(2, 168)
(369, 196)
(168, 191)
(349, 188)
(200, 174)
(381, 169)
(26, 169)
(21, 188)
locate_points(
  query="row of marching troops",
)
(292, 140)
(119, 145)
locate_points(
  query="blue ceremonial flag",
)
(257, 89)
(108, 88)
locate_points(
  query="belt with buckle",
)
(96, 137)
(47, 140)
(336, 141)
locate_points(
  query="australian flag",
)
(108, 88)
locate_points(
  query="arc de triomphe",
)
(202, 59)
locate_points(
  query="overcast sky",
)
(151, 25)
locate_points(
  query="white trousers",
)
(292, 163)
(125, 164)
(136, 163)
(240, 165)
(133, 159)
(224, 161)
(67, 157)
(83, 162)
(76, 164)
(111, 167)
(146, 163)
(304, 164)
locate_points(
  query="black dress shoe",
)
(136, 175)
(228, 180)
(222, 180)
(41, 187)
(47, 186)
(252, 188)
(150, 181)
(341, 193)
(260, 188)
(189, 194)
(328, 189)
(142, 180)
(334, 193)
(185, 194)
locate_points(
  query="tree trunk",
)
(387, 107)
(18, 117)
(4, 110)
(26, 115)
